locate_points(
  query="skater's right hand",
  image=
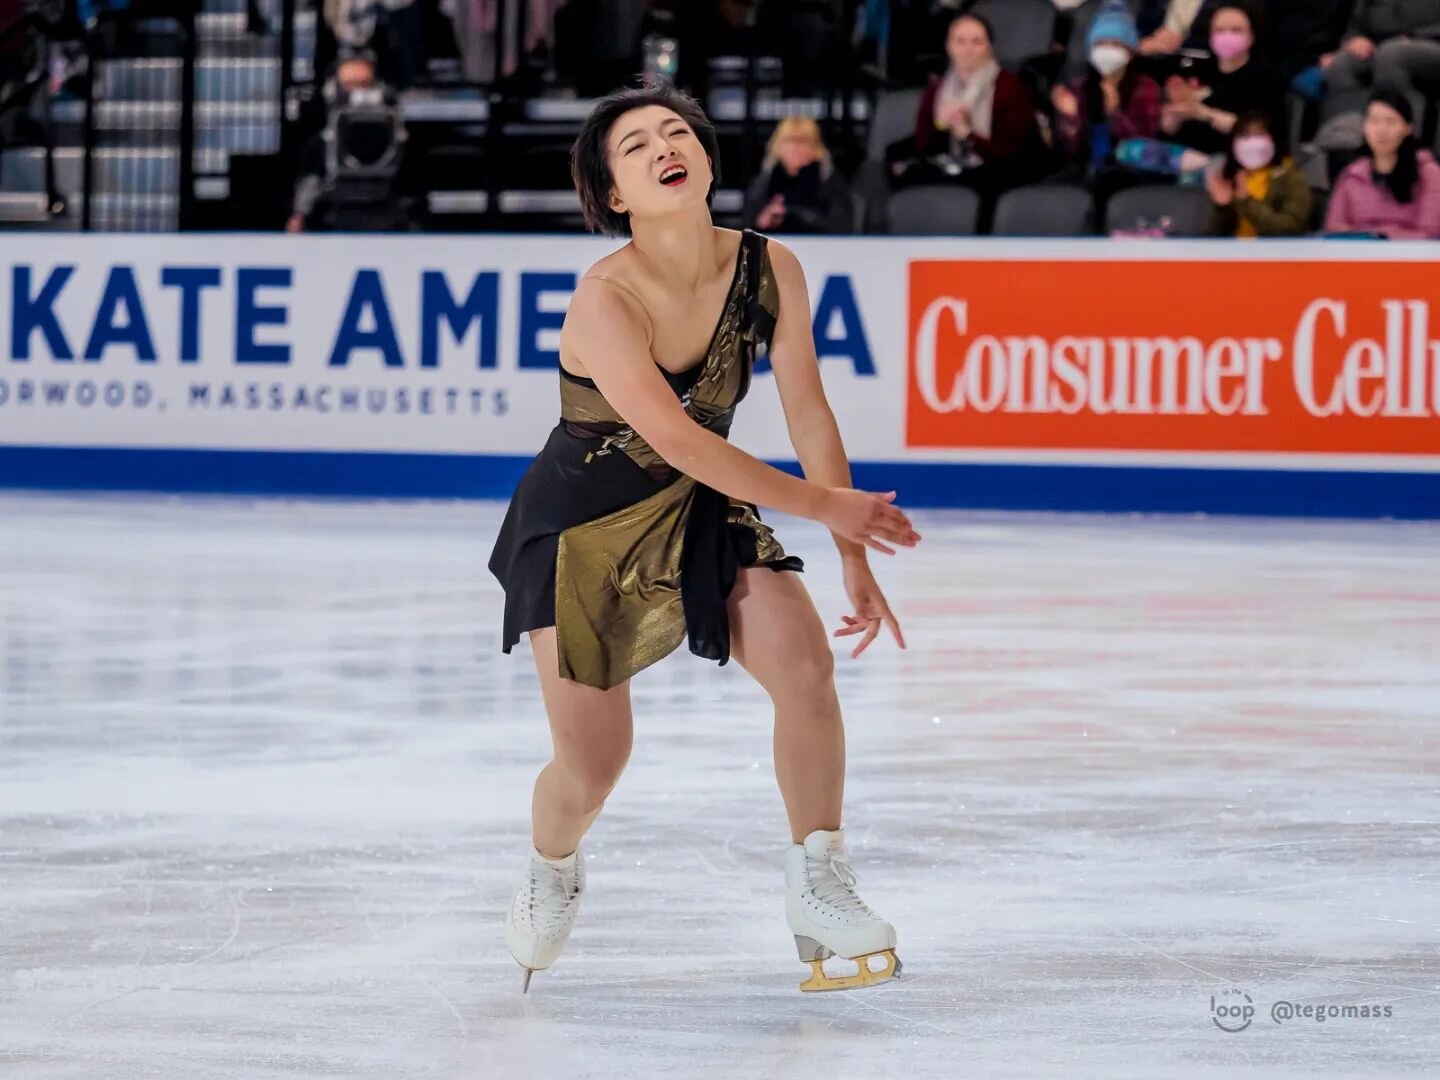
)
(864, 517)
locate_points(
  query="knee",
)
(1391, 53)
(588, 782)
(1392, 67)
(808, 675)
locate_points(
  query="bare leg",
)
(591, 732)
(777, 636)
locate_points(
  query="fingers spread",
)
(894, 625)
(870, 632)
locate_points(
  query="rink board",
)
(1289, 377)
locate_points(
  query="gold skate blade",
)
(525, 986)
(819, 980)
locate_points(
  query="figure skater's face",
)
(658, 164)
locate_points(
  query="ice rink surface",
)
(264, 791)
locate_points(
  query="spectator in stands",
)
(1201, 107)
(1258, 191)
(1166, 24)
(799, 189)
(475, 23)
(1114, 101)
(388, 28)
(1393, 43)
(1393, 190)
(976, 124)
(1304, 37)
(325, 200)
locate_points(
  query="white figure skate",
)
(542, 913)
(828, 919)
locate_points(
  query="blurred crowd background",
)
(1248, 119)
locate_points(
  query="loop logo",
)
(1231, 1010)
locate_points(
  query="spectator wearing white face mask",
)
(1113, 102)
(1258, 191)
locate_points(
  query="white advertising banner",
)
(358, 343)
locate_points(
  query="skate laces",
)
(548, 893)
(833, 883)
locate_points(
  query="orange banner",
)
(1336, 357)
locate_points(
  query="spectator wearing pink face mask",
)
(1201, 107)
(1258, 191)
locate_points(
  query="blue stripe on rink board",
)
(979, 486)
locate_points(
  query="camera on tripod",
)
(364, 145)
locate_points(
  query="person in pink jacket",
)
(1393, 190)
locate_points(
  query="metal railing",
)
(130, 105)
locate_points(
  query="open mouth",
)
(674, 176)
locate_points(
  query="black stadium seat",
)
(1188, 209)
(1023, 28)
(1045, 210)
(936, 210)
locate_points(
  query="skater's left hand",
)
(871, 609)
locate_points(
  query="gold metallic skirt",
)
(623, 565)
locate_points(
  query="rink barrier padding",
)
(1285, 377)
(1092, 489)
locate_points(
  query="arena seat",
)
(1023, 28)
(893, 119)
(934, 210)
(1188, 209)
(1045, 210)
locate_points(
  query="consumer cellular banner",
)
(1332, 357)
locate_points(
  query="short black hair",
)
(590, 157)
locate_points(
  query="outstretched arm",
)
(605, 330)
(811, 424)
(816, 438)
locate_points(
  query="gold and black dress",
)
(622, 554)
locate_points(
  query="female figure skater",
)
(636, 527)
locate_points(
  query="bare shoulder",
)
(618, 269)
(611, 285)
(604, 304)
(787, 268)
